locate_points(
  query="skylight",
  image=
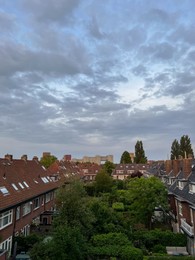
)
(14, 186)
(21, 185)
(4, 190)
(44, 179)
(25, 184)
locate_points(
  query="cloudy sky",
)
(88, 77)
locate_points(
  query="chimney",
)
(45, 154)
(67, 157)
(187, 167)
(24, 157)
(176, 167)
(168, 166)
(35, 158)
(9, 157)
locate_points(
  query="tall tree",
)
(103, 182)
(140, 153)
(108, 167)
(144, 195)
(186, 147)
(125, 157)
(175, 150)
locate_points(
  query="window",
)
(36, 203)
(4, 190)
(180, 208)
(26, 208)
(192, 188)
(21, 185)
(6, 219)
(47, 198)
(17, 213)
(14, 186)
(191, 216)
(44, 179)
(181, 185)
(26, 184)
(6, 244)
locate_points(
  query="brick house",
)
(26, 194)
(122, 171)
(179, 177)
(68, 169)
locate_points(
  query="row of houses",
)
(27, 192)
(179, 177)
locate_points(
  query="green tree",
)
(108, 167)
(140, 153)
(186, 147)
(103, 182)
(144, 195)
(125, 157)
(47, 160)
(175, 150)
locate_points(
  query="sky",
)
(92, 77)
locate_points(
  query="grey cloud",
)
(51, 10)
(140, 70)
(7, 22)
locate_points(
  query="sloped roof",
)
(23, 180)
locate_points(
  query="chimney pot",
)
(9, 157)
(24, 157)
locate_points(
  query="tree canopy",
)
(144, 195)
(47, 160)
(125, 158)
(108, 167)
(140, 153)
(184, 148)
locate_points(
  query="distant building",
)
(98, 159)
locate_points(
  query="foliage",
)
(159, 249)
(103, 182)
(125, 158)
(48, 160)
(67, 243)
(119, 206)
(26, 243)
(72, 205)
(113, 245)
(145, 194)
(150, 239)
(108, 167)
(175, 150)
(140, 153)
(186, 147)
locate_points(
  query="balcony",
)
(186, 227)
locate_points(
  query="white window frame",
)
(192, 188)
(47, 197)
(6, 218)
(18, 213)
(6, 244)
(26, 208)
(36, 203)
(180, 208)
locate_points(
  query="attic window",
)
(4, 190)
(21, 185)
(44, 179)
(43, 167)
(181, 185)
(25, 184)
(36, 181)
(14, 186)
(192, 188)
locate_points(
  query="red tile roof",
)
(24, 180)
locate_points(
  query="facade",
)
(179, 177)
(98, 159)
(123, 171)
(26, 193)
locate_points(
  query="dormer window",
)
(181, 185)
(192, 188)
